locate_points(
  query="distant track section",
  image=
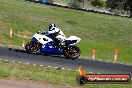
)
(88, 10)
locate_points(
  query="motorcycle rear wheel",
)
(32, 47)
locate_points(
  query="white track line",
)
(13, 61)
(56, 67)
(34, 64)
(27, 63)
(41, 65)
(19, 62)
(6, 60)
(47, 66)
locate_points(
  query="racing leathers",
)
(58, 36)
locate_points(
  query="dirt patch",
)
(22, 83)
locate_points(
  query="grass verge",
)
(101, 32)
(56, 76)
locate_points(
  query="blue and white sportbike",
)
(45, 44)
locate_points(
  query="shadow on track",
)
(23, 51)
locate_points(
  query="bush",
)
(74, 4)
(50, 1)
(100, 3)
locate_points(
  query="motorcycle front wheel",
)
(72, 52)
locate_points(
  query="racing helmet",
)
(52, 26)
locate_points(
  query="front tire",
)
(72, 52)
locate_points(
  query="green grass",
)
(56, 76)
(101, 32)
(62, 1)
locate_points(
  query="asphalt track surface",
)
(18, 55)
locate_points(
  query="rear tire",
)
(72, 52)
(32, 47)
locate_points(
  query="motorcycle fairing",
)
(72, 40)
(48, 42)
(42, 38)
(49, 48)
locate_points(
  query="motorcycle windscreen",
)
(34, 40)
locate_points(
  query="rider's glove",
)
(43, 33)
(46, 33)
(38, 32)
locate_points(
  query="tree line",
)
(125, 5)
(120, 5)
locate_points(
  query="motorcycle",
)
(45, 44)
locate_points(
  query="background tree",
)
(75, 3)
(100, 3)
(128, 5)
(120, 5)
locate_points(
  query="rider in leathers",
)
(57, 33)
